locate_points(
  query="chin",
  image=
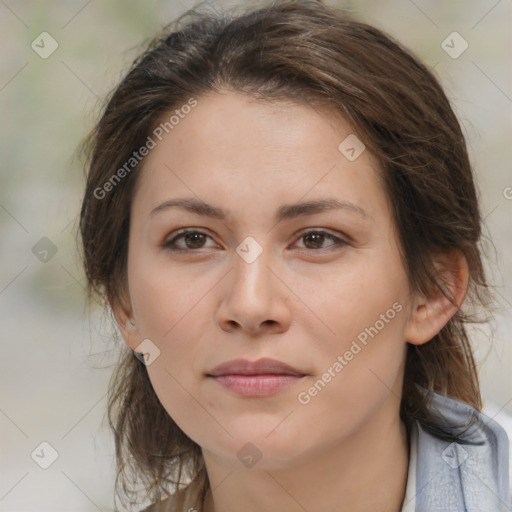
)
(255, 448)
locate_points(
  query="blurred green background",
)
(57, 361)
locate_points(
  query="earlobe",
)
(128, 328)
(429, 314)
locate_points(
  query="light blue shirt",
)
(471, 474)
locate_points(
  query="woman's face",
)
(322, 290)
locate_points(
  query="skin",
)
(346, 450)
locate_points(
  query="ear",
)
(429, 314)
(122, 310)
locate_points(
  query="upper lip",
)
(259, 367)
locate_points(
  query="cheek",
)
(165, 295)
(360, 368)
(365, 310)
(367, 292)
(176, 319)
(177, 393)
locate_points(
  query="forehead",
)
(230, 148)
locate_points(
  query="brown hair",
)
(306, 52)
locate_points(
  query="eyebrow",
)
(285, 212)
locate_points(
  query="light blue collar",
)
(470, 474)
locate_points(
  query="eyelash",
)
(338, 241)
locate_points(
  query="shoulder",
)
(157, 507)
(174, 503)
(470, 472)
(182, 500)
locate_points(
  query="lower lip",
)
(257, 385)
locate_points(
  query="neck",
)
(367, 471)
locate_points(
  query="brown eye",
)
(193, 240)
(316, 239)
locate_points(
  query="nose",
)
(254, 297)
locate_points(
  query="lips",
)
(255, 379)
(263, 366)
